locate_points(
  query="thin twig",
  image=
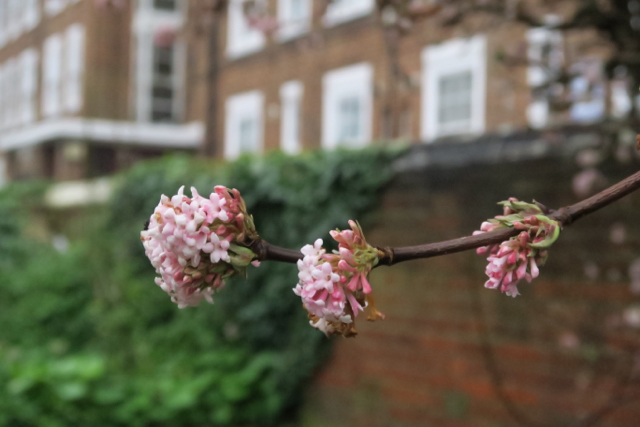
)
(390, 256)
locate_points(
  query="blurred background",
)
(413, 116)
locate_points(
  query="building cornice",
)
(165, 135)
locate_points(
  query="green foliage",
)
(87, 338)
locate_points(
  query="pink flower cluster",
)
(521, 256)
(192, 243)
(334, 287)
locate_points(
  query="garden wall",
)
(451, 353)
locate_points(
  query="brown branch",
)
(391, 256)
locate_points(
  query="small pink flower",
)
(189, 240)
(521, 256)
(334, 287)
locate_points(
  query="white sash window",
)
(51, 76)
(244, 124)
(74, 67)
(242, 39)
(291, 101)
(29, 85)
(454, 88)
(294, 17)
(347, 106)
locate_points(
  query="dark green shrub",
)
(86, 338)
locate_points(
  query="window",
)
(74, 68)
(453, 88)
(3, 95)
(349, 113)
(242, 39)
(29, 84)
(244, 121)
(159, 67)
(587, 91)
(347, 105)
(164, 4)
(340, 11)
(53, 7)
(51, 75)
(620, 89)
(31, 14)
(291, 98)
(162, 89)
(13, 20)
(294, 17)
(454, 109)
(11, 92)
(545, 56)
(3, 18)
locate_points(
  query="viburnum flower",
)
(196, 243)
(334, 287)
(521, 256)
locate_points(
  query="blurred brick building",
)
(310, 74)
(88, 87)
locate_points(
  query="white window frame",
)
(290, 118)
(589, 82)
(29, 85)
(340, 11)
(239, 107)
(340, 84)
(538, 112)
(12, 92)
(31, 16)
(147, 21)
(3, 17)
(3, 96)
(242, 40)
(289, 27)
(54, 7)
(449, 58)
(14, 18)
(620, 99)
(74, 58)
(52, 69)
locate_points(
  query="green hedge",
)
(87, 338)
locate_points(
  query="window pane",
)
(349, 119)
(454, 92)
(162, 91)
(164, 4)
(297, 10)
(247, 134)
(163, 60)
(161, 116)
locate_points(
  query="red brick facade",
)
(106, 133)
(451, 353)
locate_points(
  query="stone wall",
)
(451, 353)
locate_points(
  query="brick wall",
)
(451, 353)
(309, 57)
(108, 82)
